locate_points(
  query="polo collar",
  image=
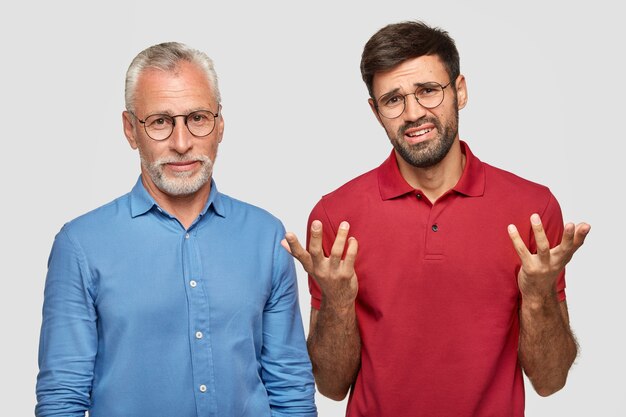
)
(392, 184)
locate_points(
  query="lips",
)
(182, 165)
(419, 133)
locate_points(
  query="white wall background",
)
(546, 89)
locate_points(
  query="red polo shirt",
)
(438, 299)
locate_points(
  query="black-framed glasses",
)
(429, 95)
(200, 123)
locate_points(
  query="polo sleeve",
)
(68, 341)
(328, 238)
(552, 220)
(286, 368)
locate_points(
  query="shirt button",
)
(435, 227)
(202, 388)
(419, 196)
(186, 235)
(198, 335)
(193, 283)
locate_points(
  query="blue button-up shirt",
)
(144, 318)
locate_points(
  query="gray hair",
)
(166, 56)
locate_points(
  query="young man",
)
(447, 300)
(174, 299)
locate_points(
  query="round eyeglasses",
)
(429, 95)
(200, 123)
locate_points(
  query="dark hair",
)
(398, 42)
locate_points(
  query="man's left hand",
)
(538, 274)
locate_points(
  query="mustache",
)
(181, 158)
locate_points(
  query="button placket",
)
(435, 230)
(198, 316)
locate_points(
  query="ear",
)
(129, 129)
(220, 127)
(461, 91)
(375, 111)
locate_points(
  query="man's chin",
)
(182, 187)
(419, 157)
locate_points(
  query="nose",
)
(181, 139)
(413, 110)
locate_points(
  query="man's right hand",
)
(335, 276)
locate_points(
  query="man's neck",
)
(185, 208)
(438, 179)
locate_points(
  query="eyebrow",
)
(395, 90)
(425, 83)
(389, 93)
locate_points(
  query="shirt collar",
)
(392, 184)
(141, 201)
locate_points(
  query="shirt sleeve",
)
(286, 368)
(552, 221)
(68, 340)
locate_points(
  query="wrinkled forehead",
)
(407, 74)
(186, 88)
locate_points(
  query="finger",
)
(567, 241)
(340, 243)
(315, 241)
(518, 243)
(541, 240)
(353, 248)
(293, 246)
(573, 238)
(285, 245)
(580, 233)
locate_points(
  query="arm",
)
(68, 342)
(547, 347)
(286, 369)
(334, 342)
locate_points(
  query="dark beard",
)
(429, 153)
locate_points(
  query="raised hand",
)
(538, 274)
(335, 276)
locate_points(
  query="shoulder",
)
(353, 200)
(241, 211)
(100, 219)
(499, 183)
(89, 233)
(360, 187)
(511, 193)
(500, 180)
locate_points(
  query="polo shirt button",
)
(198, 335)
(419, 196)
(193, 283)
(187, 236)
(435, 227)
(202, 388)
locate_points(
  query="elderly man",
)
(448, 300)
(174, 299)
